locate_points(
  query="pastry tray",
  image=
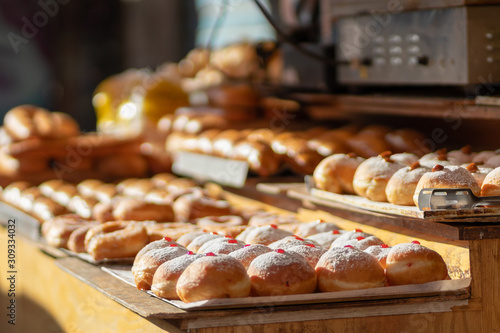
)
(354, 202)
(458, 288)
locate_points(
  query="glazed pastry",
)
(325, 239)
(112, 240)
(139, 210)
(190, 207)
(58, 230)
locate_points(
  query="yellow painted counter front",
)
(49, 300)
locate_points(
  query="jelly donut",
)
(405, 158)
(188, 237)
(336, 172)
(145, 268)
(325, 239)
(491, 183)
(447, 177)
(116, 240)
(290, 241)
(360, 243)
(166, 276)
(479, 172)
(309, 252)
(372, 176)
(198, 242)
(411, 263)
(249, 252)
(159, 244)
(213, 276)
(281, 273)
(461, 156)
(401, 187)
(305, 230)
(221, 246)
(380, 252)
(353, 234)
(346, 268)
(266, 234)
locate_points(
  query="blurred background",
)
(54, 53)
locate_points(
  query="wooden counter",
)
(59, 293)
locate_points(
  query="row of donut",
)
(37, 145)
(267, 152)
(162, 198)
(398, 178)
(202, 265)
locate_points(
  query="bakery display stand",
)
(57, 292)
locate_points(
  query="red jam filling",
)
(415, 242)
(172, 245)
(384, 246)
(247, 245)
(210, 254)
(232, 241)
(168, 239)
(274, 226)
(360, 238)
(358, 230)
(298, 238)
(311, 245)
(349, 246)
(190, 252)
(280, 251)
(335, 232)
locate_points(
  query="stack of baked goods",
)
(267, 260)
(38, 145)
(163, 205)
(399, 178)
(269, 152)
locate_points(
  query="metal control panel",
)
(450, 46)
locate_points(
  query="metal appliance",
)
(404, 45)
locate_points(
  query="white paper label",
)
(210, 168)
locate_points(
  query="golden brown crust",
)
(190, 207)
(140, 210)
(412, 263)
(281, 273)
(349, 269)
(58, 230)
(145, 267)
(112, 240)
(213, 277)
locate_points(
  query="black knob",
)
(423, 60)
